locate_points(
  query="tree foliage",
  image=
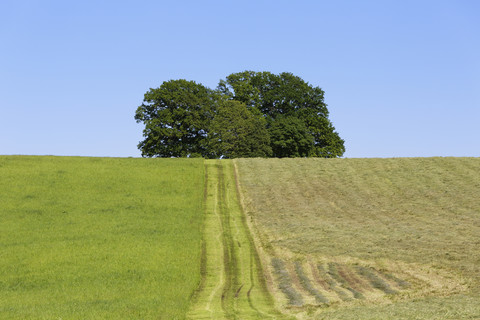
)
(239, 132)
(250, 114)
(177, 116)
(290, 137)
(286, 95)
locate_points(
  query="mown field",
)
(99, 238)
(108, 238)
(368, 238)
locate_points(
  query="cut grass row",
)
(99, 238)
(325, 284)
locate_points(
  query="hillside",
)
(99, 238)
(378, 238)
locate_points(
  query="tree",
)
(238, 132)
(250, 114)
(286, 95)
(290, 138)
(177, 116)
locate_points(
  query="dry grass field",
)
(368, 238)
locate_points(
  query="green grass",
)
(407, 220)
(233, 286)
(107, 238)
(99, 238)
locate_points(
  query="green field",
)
(369, 238)
(99, 238)
(109, 238)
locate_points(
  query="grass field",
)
(233, 285)
(99, 238)
(107, 238)
(368, 238)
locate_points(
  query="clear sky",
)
(401, 78)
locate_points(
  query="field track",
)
(232, 282)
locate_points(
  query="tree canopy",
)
(177, 117)
(239, 132)
(250, 114)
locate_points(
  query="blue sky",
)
(401, 78)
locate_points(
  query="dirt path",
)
(233, 286)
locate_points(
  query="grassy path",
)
(233, 286)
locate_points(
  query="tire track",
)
(221, 279)
(207, 303)
(233, 287)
